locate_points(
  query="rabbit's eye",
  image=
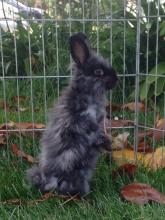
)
(99, 72)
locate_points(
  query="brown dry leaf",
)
(157, 134)
(25, 125)
(120, 141)
(143, 147)
(132, 106)
(4, 128)
(125, 170)
(159, 125)
(119, 123)
(156, 160)
(141, 193)
(13, 127)
(22, 154)
(29, 125)
(143, 134)
(126, 156)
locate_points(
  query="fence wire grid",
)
(35, 62)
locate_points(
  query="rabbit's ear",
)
(79, 48)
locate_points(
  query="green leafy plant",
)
(153, 85)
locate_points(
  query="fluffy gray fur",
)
(74, 135)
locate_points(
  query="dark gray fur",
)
(74, 136)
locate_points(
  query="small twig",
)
(42, 199)
(74, 198)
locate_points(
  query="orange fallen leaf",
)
(125, 170)
(22, 154)
(141, 193)
(156, 160)
(126, 156)
(132, 106)
(161, 126)
(152, 161)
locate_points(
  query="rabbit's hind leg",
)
(74, 184)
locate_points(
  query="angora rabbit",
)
(74, 136)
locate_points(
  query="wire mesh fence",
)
(35, 63)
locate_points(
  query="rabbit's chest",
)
(95, 112)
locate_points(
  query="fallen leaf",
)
(14, 128)
(161, 123)
(21, 125)
(157, 133)
(4, 128)
(156, 160)
(143, 134)
(143, 147)
(133, 105)
(29, 125)
(118, 123)
(22, 154)
(126, 156)
(141, 193)
(125, 170)
(120, 141)
(153, 161)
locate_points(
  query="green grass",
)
(104, 201)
